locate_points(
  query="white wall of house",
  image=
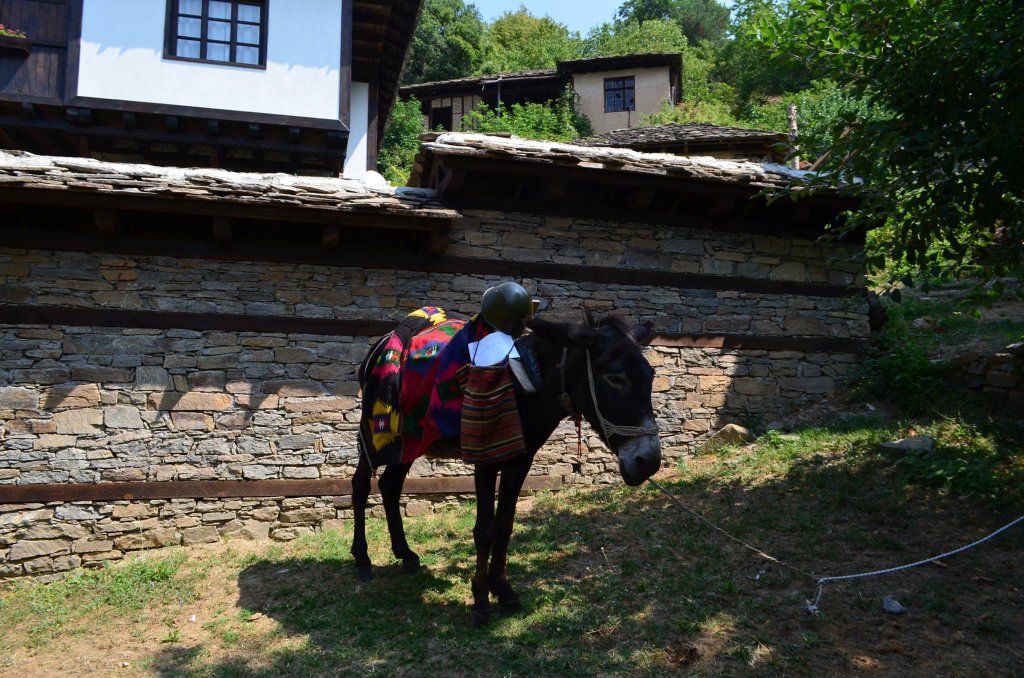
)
(122, 59)
(653, 86)
(355, 158)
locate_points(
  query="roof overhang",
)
(382, 31)
(475, 171)
(55, 197)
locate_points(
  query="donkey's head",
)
(608, 381)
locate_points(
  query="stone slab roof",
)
(21, 170)
(462, 144)
(480, 80)
(690, 132)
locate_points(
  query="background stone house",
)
(613, 92)
(178, 347)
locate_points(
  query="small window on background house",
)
(224, 31)
(619, 94)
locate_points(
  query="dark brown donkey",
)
(595, 369)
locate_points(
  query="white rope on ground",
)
(813, 606)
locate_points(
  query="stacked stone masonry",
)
(999, 374)
(46, 540)
(93, 404)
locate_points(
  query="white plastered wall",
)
(355, 158)
(122, 59)
(653, 88)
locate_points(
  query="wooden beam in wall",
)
(222, 230)
(206, 489)
(64, 316)
(108, 221)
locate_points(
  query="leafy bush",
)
(554, 120)
(401, 141)
(898, 369)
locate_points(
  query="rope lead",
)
(813, 606)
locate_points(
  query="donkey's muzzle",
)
(639, 458)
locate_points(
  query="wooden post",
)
(793, 133)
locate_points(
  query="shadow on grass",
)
(623, 582)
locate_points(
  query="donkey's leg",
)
(360, 493)
(483, 537)
(513, 475)
(390, 484)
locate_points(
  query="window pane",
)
(193, 7)
(249, 13)
(220, 10)
(188, 48)
(247, 55)
(249, 34)
(219, 30)
(190, 28)
(217, 51)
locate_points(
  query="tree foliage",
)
(448, 43)
(942, 171)
(519, 41)
(401, 140)
(747, 62)
(699, 20)
(634, 37)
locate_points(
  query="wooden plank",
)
(161, 320)
(61, 316)
(212, 206)
(207, 489)
(750, 343)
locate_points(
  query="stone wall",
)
(46, 540)
(998, 374)
(89, 404)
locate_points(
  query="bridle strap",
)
(608, 428)
(645, 429)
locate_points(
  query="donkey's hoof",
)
(411, 564)
(364, 572)
(509, 603)
(481, 616)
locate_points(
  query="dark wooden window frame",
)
(171, 34)
(626, 88)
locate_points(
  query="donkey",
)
(595, 369)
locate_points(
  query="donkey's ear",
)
(642, 333)
(563, 334)
(590, 318)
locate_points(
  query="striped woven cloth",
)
(491, 428)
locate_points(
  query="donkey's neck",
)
(542, 412)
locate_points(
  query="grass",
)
(614, 581)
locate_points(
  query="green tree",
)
(942, 171)
(699, 20)
(633, 37)
(448, 42)
(401, 141)
(822, 112)
(748, 64)
(519, 41)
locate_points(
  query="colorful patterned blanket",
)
(413, 395)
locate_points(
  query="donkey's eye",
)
(618, 381)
